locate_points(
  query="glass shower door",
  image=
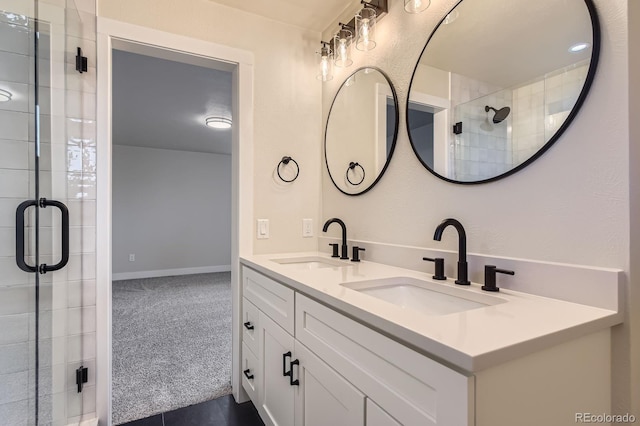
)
(34, 228)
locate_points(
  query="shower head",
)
(500, 114)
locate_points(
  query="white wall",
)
(571, 205)
(172, 209)
(287, 108)
(634, 179)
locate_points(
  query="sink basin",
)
(423, 296)
(310, 262)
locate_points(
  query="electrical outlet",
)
(132, 257)
(263, 229)
(307, 228)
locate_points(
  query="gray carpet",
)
(171, 343)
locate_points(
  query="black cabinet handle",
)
(284, 364)
(292, 382)
(247, 374)
(20, 236)
(65, 236)
(248, 325)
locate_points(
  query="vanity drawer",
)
(411, 387)
(250, 373)
(269, 296)
(250, 323)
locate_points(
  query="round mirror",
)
(361, 131)
(498, 82)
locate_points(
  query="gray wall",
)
(172, 209)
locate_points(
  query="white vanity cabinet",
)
(290, 386)
(371, 376)
(347, 373)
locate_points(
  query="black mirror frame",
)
(595, 55)
(395, 131)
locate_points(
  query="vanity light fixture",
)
(416, 6)
(342, 47)
(5, 95)
(366, 29)
(218, 122)
(451, 16)
(578, 47)
(325, 62)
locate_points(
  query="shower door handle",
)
(20, 236)
(44, 268)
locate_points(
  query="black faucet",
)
(462, 248)
(345, 249)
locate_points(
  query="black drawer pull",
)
(247, 375)
(292, 382)
(248, 325)
(284, 364)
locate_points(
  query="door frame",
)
(110, 34)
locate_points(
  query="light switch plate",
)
(307, 228)
(262, 229)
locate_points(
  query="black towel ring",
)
(285, 161)
(352, 166)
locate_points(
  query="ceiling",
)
(159, 103)
(315, 15)
(506, 43)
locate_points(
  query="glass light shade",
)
(218, 122)
(5, 95)
(366, 29)
(416, 6)
(342, 46)
(325, 64)
(452, 16)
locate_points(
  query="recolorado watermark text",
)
(604, 418)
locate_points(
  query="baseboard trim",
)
(91, 422)
(170, 272)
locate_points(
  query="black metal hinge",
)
(81, 62)
(82, 376)
(457, 128)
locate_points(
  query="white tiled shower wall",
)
(538, 109)
(68, 156)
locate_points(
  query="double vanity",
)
(328, 341)
(341, 341)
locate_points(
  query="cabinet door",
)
(251, 374)
(323, 397)
(276, 394)
(250, 325)
(376, 416)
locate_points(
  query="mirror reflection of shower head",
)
(500, 114)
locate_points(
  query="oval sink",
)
(424, 296)
(309, 262)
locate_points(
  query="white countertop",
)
(469, 341)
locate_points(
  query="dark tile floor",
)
(218, 412)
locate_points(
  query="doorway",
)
(171, 234)
(124, 37)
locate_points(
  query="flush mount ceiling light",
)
(416, 6)
(578, 47)
(5, 95)
(218, 122)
